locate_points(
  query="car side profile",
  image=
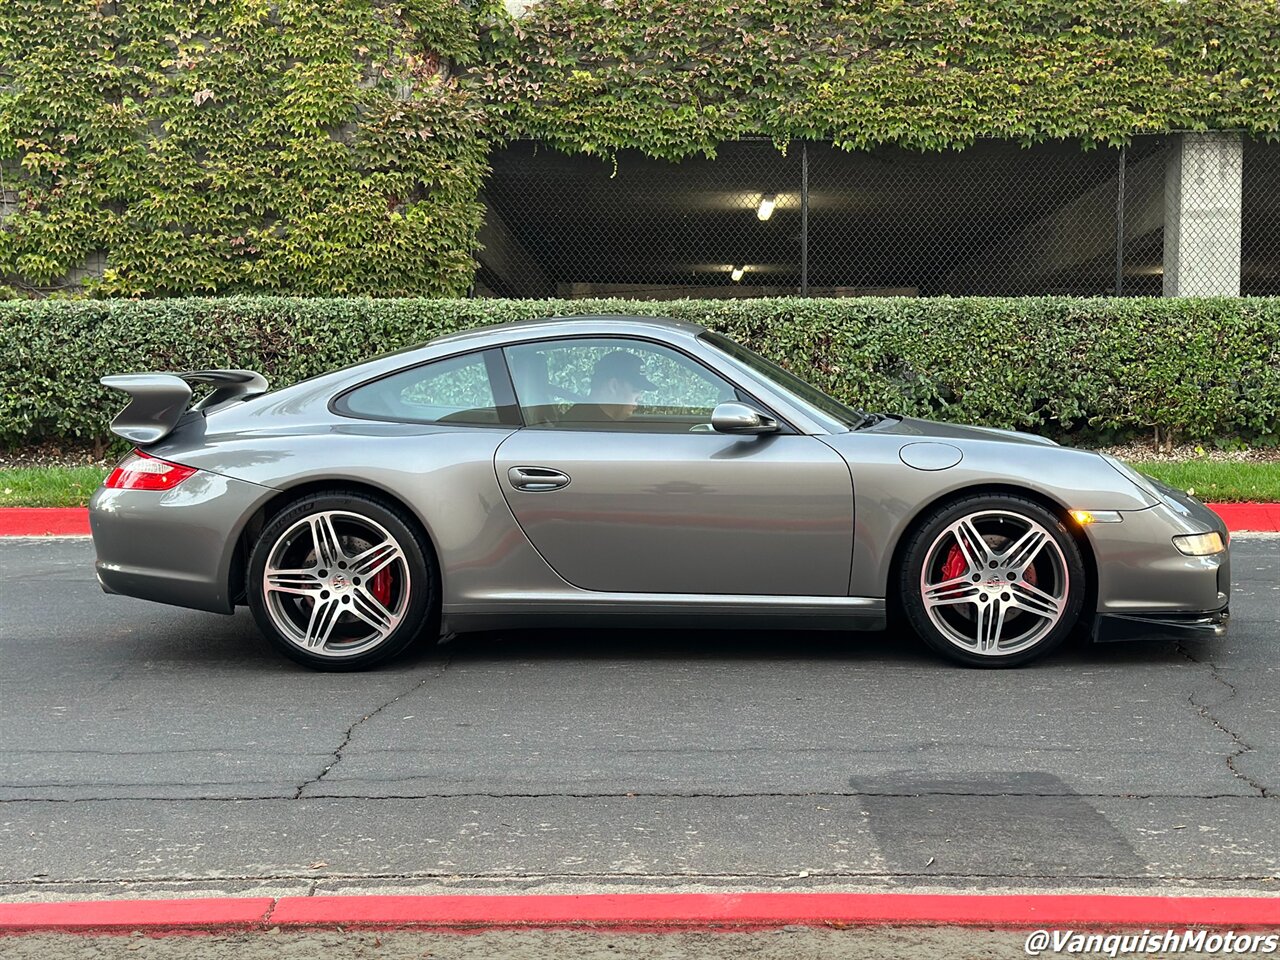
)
(618, 470)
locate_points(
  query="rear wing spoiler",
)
(157, 401)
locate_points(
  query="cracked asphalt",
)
(152, 751)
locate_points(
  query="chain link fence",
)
(1260, 220)
(1181, 215)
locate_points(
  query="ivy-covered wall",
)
(322, 147)
(305, 146)
(676, 77)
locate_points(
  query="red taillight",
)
(138, 471)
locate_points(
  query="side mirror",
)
(740, 418)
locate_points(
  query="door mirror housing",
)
(740, 418)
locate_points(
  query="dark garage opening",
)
(993, 219)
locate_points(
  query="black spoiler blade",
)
(157, 401)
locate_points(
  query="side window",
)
(453, 390)
(613, 384)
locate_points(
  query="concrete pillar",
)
(1202, 179)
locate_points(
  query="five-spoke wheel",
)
(992, 580)
(340, 581)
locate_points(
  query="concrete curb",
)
(644, 911)
(74, 521)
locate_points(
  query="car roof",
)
(603, 324)
(320, 389)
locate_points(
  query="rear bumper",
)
(1111, 627)
(174, 546)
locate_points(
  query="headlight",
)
(1200, 544)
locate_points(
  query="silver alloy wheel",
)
(1013, 590)
(320, 587)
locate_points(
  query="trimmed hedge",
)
(1089, 369)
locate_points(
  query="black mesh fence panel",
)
(992, 219)
(576, 227)
(1185, 214)
(1260, 220)
(1138, 257)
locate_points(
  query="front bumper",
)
(1148, 589)
(174, 546)
(1109, 628)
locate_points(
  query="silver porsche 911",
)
(627, 471)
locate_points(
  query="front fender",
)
(889, 495)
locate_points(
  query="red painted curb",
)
(677, 911)
(1254, 517)
(44, 521)
(125, 916)
(74, 521)
(704, 910)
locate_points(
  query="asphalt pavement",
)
(152, 751)
(918, 943)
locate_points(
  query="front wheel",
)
(992, 581)
(340, 581)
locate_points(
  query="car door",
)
(622, 486)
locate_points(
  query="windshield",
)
(788, 383)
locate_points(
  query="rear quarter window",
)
(456, 390)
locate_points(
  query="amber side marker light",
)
(1086, 517)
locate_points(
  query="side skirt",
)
(582, 608)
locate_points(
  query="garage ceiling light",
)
(737, 273)
(767, 203)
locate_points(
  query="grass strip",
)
(1220, 481)
(49, 486)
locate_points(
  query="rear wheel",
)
(340, 581)
(992, 581)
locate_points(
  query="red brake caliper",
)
(957, 567)
(381, 586)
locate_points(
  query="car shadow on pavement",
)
(891, 647)
(233, 643)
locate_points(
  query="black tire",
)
(994, 518)
(414, 609)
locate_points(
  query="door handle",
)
(535, 479)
